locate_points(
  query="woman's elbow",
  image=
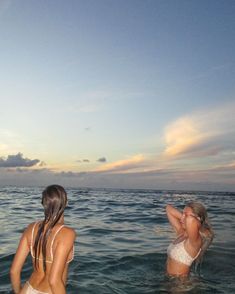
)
(54, 282)
(168, 208)
(14, 272)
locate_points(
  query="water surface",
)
(122, 239)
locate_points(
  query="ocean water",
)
(122, 236)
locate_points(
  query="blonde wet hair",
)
(206, 231)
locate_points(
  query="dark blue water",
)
(122, 239)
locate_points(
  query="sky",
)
(118, 94)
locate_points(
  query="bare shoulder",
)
(27, 233)
(30, 226)
(66, 238)
(28, 229)
(68, 233)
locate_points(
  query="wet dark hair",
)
(54, 201)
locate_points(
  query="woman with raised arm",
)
(194, 235)
(51, 245)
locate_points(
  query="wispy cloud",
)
(122, 165)
(91, 101)
(229, 167)
(70, 174)
(204, 133)
(97, 100)
(181, 135)
(83, 160)
(199, 153)
(211, 71)
(214, 178)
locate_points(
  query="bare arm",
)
(62, 251)
(174, 217)
(18, 262)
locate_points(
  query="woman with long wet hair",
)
(51, 245)
(194, 235)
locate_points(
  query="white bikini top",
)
(52, 242)
(179, 253)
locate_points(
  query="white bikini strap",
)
(54, 239)
(195, 257)
(32, 233)
(31, 241)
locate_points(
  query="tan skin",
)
(187, 227)
(54, 280)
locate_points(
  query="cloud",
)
(220, 178)
(86, 160)
(17, 161)
(199, 154)
(99, 99)
(102, 159)
(204, 133)
(210, 71)
(70, 174)
(83, 160)
(91, 101)
(181, 135)
(42, 163)
(122, 165)
(229, 167)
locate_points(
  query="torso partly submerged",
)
(39, 279)
(179, 259)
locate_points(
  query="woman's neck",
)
(61, 220)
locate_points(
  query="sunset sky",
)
(118, 94)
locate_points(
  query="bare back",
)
(60, 240)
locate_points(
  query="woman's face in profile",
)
(186, 212)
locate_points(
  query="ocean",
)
(122, 237)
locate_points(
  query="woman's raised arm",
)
(174, 217)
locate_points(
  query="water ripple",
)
(122, 239)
